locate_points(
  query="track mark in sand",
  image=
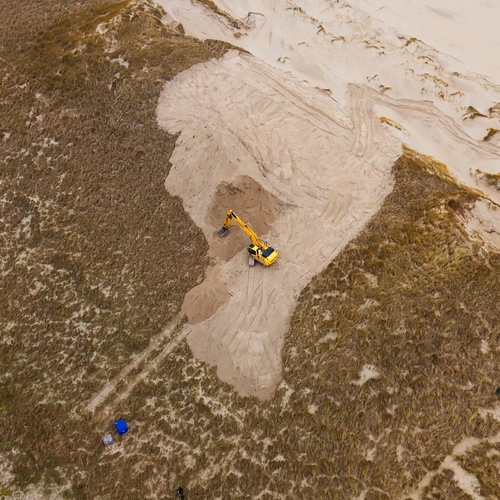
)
(361, 116)
(231, 335)
(362, 100)
(262, 292)
(464, 149)
(323, 121)
(154, 344)
(428, 108)
(153, 364)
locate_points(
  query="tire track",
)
(428, 108)
(262, 292)
(361, 115)
(324, 121)
(232, 330)
(152, 365)
(136, 362)
(246, 309)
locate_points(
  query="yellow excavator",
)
(259, 250)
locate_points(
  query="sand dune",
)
(333, 45)
(315, 115)
(390, 362)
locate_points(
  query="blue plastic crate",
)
(121, 426)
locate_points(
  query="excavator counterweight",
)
(258, 250)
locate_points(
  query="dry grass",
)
(409, 296)
(491, 180)
(443, 487)
(429, 163)
(213, 7)
(494, 111)
(471, 113)
(403, 298)
(484, 463)
(439, 82)
(96, 258)
(390, 122)
(411, 40)
(491, 133)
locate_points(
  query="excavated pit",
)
(253, 204)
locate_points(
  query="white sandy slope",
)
(321, 152)
(466, 30)
(334, 44)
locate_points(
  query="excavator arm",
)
(225, 228)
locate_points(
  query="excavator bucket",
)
(223, 231)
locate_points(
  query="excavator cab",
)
(258, 250)
(265, 255)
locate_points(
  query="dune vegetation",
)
(391, 359)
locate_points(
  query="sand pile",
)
(245, 196)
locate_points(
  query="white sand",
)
(466, 30)
(323, 155)
(483, 224)
(332, 45)
(367, 373)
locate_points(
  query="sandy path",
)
(149, 359)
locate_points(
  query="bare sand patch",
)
(301, 173)
(310, 134)
(435, 104)
(482, 223)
